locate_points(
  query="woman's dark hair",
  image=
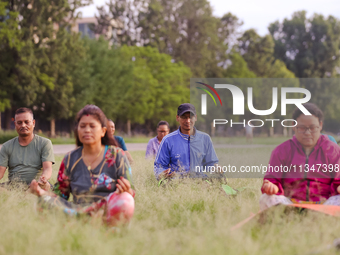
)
(312, 108)
(98, 114)
(163, 122)
(119, 145)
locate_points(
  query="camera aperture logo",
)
(204, 97)
(239, 104)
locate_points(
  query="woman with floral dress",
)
(97, 173)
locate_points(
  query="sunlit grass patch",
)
(187, 216)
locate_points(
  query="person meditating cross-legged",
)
(96, 173)
(27, 156)
(312, 165)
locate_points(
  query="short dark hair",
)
(23, 110)
(163, 122)
(312, 108)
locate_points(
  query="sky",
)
(257, 14)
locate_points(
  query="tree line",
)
(139, 70)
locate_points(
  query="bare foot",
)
(35, 189)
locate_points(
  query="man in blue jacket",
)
(184, 151)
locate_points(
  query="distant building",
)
(83, 25)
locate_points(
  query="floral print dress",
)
(89, 188)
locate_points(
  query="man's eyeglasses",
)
(303, 129)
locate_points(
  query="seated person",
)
(121, 143)
(182, 151)
(163, 129)
(96, 173)
(27, 154)
(313, 161)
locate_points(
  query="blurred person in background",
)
(249, 133)
(96, 173)
(313, 160)
(163, 129)
(28, 155)
(121, 143)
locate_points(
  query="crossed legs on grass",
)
(267, 201)
(118, 208)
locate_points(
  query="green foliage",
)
(119, 21)
(157, 88)
(140, 70)
(310, 47)
(59, 53)
(66, 53)
(101, 77)
(258, 52)
(186, 30)
(11, 48)
(7, 135)
(36, 56)
(131, 83)
(238, 68)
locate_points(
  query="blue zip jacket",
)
(183, 153)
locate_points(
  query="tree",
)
(9, 40)
(185, 30)
(120, 23)
(44, 26)
(31, 55)
(65, 55)
(18, 74)
(258, 52)
(238, 67)
(102, 77)
(308, 47)
(158, 86)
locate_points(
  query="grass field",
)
(184, 217)
(7, 135)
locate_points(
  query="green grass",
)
(220, 140)
(256, 140)
(183, 217)
(7, 135)
(137, 139)
(62, 140)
